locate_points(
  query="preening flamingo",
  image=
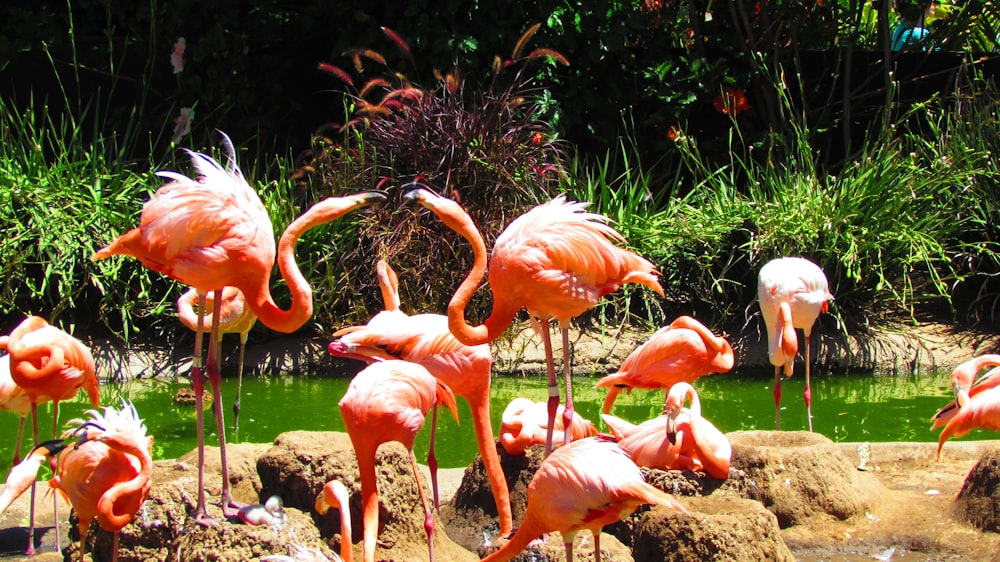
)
(236, 318)
(526, 423)
(681, 352)
(107, 474)
(15, 400)
(214, 232)
(387, 401)
(556, 261)
(965, 385)
(792, 294)
(48, 364)
(466, 370)
(584, 485)
(335, 495)
(680, 439)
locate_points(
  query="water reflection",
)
(852, 407)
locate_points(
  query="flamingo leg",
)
(777, 398)
(114, 548)
(550, 367)
(239, 388)
(17, 442)
(198, 385)
(807, 393)
(597, 546)
(568, 381)
(55, 497)
(569, 550)
(428, 516)
(31, 511)
(432, 464)
(229, 507)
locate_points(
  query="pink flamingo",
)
(982, 410)
(584, 485)
(680, 439)
(526, 423)
(335, 495)
(466, 370)
(965, 385)
(387, 401)
(792, 294)
(684, 351)
(214, 232)
(106, 475)
(556, 260)
(235, 318)
(15, 400)
(48, 364)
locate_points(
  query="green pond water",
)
(846, 408)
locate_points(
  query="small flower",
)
(731, 101)
(182, 125)
(537, 138)
(675, 133)
(177, 57)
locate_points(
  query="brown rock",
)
(979, 499)
(719, 528)
(301, 462)
(800, 475)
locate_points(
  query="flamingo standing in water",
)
(236, 318)
(15, 400)
(106, 476)
(584, 485)
(525, 423)
(556, 260)
(426, 340)
(684, 351)
(387, 401)
(792, 294)
(335, 495)
(965, 385)
(214, 232)
(48, 364)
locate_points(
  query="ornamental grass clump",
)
(484, 144)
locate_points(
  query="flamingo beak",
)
(672, 428)
(83, 433)
(961, 396)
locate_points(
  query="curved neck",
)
(112, 513)
(455, 218)
(298, 314)
(369, 502)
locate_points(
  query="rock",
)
(799, 474)
(301, 462)
(295, 468)
(719, 528)
(979, 499)
(164, 528)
